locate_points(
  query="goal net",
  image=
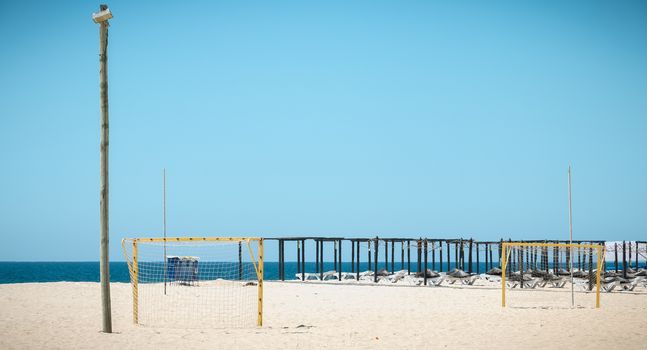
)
(567, 274)
(201, 282)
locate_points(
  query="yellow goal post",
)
(196, 281)
(556, 261)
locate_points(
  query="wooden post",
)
(279, 246)
(377, 244)
(316, 256)
(487, 251)
(334, 255)
(103, 202)
(500, 244)
(425, 269)
(448, 267)
(392, 256)
(352, 256)
(402, 255)
(386, 254)
(478, 263)
(298, 256)
(521, 265)
(340, 266)
(456, 256)
(462, 256)
(545, 252)
(321, 260)
(616, 255)
(433, 255)
(409, 257)
(282, 259)
(469, 256)
(440, 256)
(624, 260)
(368, 242)
(357, 271)
(419, 250)
(303, 259)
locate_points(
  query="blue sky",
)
(331, 118)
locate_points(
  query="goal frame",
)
(505, 251)
(134, 268)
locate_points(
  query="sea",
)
(34, 272)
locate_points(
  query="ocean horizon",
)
(88, 271)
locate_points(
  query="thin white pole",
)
(570, 224)
(164, 218)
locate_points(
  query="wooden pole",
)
(283, 260)
(478, 263)
(440, 255)
(340, 265)
(316, 256)
(335, 255)
(103, 202)
(368, 242)
(456, 256)
(419, 251)
(448, 267)
(402, 255)
(616, 255)
(321, 260)
(377, 245)
(488, 255)
(433, 255)
(624, 260)
(357, 271)
(425, 268)
(386, 255)
(352, 257)
(393, 256)
(298, 256)
(469, 256)
(303, 259)
(409, 257)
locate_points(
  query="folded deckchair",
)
(348, 276)
(331, 276)
(630, 285)
(552, 280)
(606, 284)
(518, 279)
(307, 276)
(462, 276)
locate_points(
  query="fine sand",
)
(66, 315)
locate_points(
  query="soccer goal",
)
(567, 270)
(196, 282)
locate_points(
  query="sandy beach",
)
(66, 315)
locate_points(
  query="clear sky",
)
(337, 118)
